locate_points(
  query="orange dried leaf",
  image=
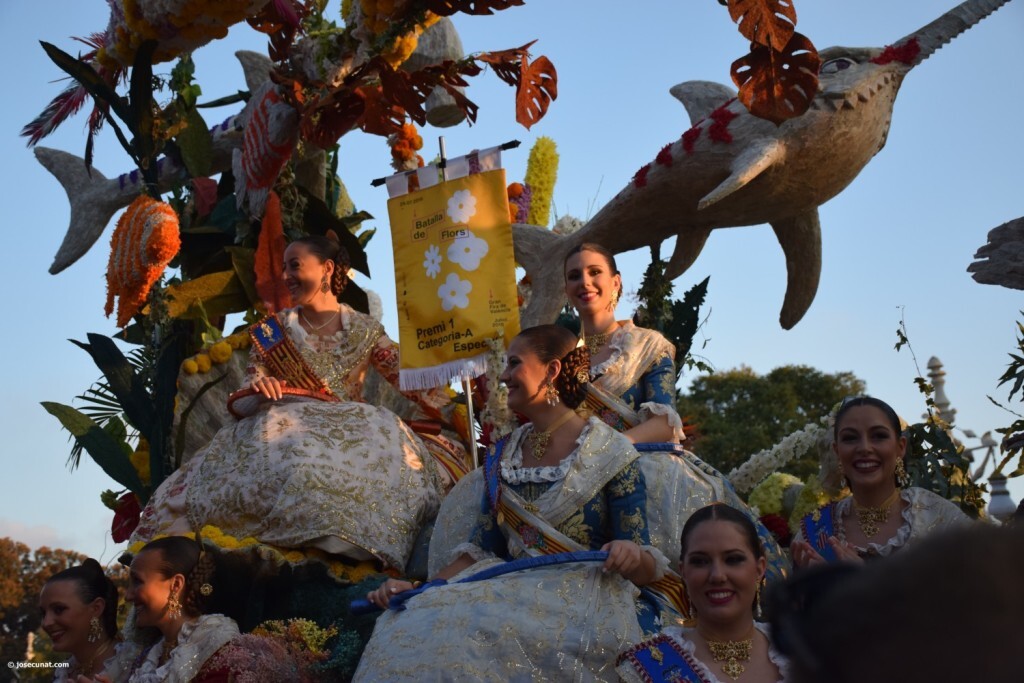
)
(766, 22)
(778, 85)
(446, 8)
(538, 86)
(333, 116)
(507, 63)
(269, 258)
(380, 117)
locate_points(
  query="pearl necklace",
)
(317, 328)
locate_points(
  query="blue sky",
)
(896, 242)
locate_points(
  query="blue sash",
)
(661, 659)
(817, 527)
(492, 477)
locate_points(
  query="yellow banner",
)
(455, 277)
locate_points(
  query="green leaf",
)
(243, 259)
(123, 381)
(196, 144)
(108, 452)
(226, 216)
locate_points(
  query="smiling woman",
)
(882, 514)
(723, 566)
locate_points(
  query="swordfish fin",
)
(688, 247)
(800, 237)
(701, 97)
(94, 200)
(759, 155)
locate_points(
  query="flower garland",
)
(404, 145)
(144, 242)
(763, 463)
(377, 19)
(496, 419)
(767, 496)
(541, 174)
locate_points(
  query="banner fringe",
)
(419, 379)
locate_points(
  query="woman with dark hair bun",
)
(79, 613)
(557, 484)
(310, 464)
(883, 512)
(723, 565)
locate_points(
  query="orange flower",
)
(515, 190)
(144, 242)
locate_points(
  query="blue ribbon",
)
(397, 602)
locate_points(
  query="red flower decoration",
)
(126, 517)
(664, 156)
(640, 177)
(690, 137)
(719, 130)
(906, 53)
(779, 527)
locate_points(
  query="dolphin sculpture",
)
(734, 169)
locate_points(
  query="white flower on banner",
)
(462, 206)
(454, 293)
(432, 261)
(467, 250)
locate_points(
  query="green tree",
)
(738, 412)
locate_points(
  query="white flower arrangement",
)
(567, 225)
(761, 464)
(495, 411)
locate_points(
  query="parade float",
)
(203, 217)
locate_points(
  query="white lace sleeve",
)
(474, 551)
(650, 409)
(661, 563)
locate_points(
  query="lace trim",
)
(899, 540)
(513, 472)
(474, 551)
(197, 642)
(774, 656)
(619, 340)
(661, 563)
(650, 408)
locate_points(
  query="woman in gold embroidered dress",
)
(340, 475)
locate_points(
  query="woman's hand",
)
(388, 590)
(269, 387)
(804, 555)
(629, 560)
(844, 551)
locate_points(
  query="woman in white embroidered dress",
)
(723, 566)
(558, 484)
(632, 388)
(883, 513)
(343, 476)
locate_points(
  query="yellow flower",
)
(140, 461)
(220, 352)
(190, 366)
(767, 496)
(203, 362)
(541, 173)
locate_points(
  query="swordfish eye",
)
(833, 66)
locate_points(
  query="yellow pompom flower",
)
(203, 362)
(541, 174)
(190, 366)
(220, 352)
(140, 461)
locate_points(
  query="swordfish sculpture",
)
(734, 169)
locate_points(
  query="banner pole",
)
(467, 387)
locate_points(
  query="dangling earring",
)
(324, 286)
(902, 476)
(173, 606)
(95, 630)
(690, 618)
(551, 394)
(843, 484)
(614, 300)
(757, 598)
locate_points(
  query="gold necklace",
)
(89, 668)
(596, 341)
(539, 440)
(732, 652)
(870, 518)
(317, 328)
